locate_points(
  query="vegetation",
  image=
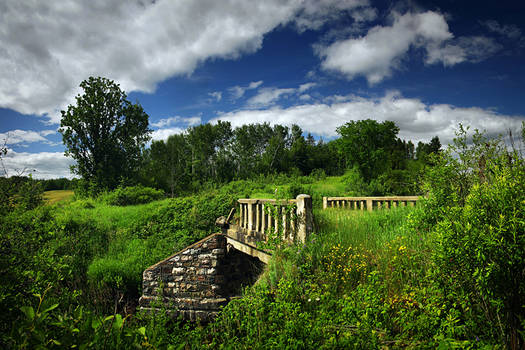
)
(446, 274)
(104, 133)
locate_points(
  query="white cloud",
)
(18, 136)
(306, 86)
(163, 134)
(268, 96)
(43, 165)
(471, 49)
(383, 49)
(190, 121)
(216, 95)
(315, 13)
(173, 125)
(416, 120)
(47, 48)
(238, 91)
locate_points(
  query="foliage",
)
(367, 144)
(132, 195)
(19, 193)
(104, 133)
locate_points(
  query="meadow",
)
(445, 274)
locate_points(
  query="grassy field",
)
(52, 197)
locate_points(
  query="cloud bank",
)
(48, 47)
(43, 165)
(417, 120)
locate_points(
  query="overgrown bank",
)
(448, 273)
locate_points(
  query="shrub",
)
(132, 195)
(480, 250)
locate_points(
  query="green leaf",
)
(28, 311)
(52, 307)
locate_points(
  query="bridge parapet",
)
(259, 217)
(369, 203)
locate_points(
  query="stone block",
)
(211, 271)
(178, 270)
(175, 258)
(218, 251)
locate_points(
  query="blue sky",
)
(427, 65)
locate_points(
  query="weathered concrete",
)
(294, 217)
(198, 281)
(369, 202)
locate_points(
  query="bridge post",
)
(250, 217)
(369, 204)
(304, 217)
(325, 202)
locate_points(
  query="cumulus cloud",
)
(417, 120)
(163, 134)
(173, 125)
(237, 91)
(47, 48)
(18, 136)
(381, 50)
(43, 165)
(384, 48)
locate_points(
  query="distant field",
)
(52, 197)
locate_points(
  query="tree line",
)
(107, 136)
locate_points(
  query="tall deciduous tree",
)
(104, 133)
(368, 145)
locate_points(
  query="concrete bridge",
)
(200, 279)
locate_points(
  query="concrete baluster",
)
(257, 217)
(241, 216)
(250, 216)
(369, 204)
(304, 217)
(263, 218)
(285, 222)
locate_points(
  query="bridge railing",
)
(294, 217)
(369, 203)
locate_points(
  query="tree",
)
(368, 145)
(104, 133)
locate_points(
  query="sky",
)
(426, 65)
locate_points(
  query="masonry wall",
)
(199, 280)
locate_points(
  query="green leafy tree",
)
(368, 144)
(104, 133)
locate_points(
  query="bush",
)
(132, 195)
(355, 184)
(475, 213)
(481, 249)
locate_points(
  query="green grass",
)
(52, 197)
